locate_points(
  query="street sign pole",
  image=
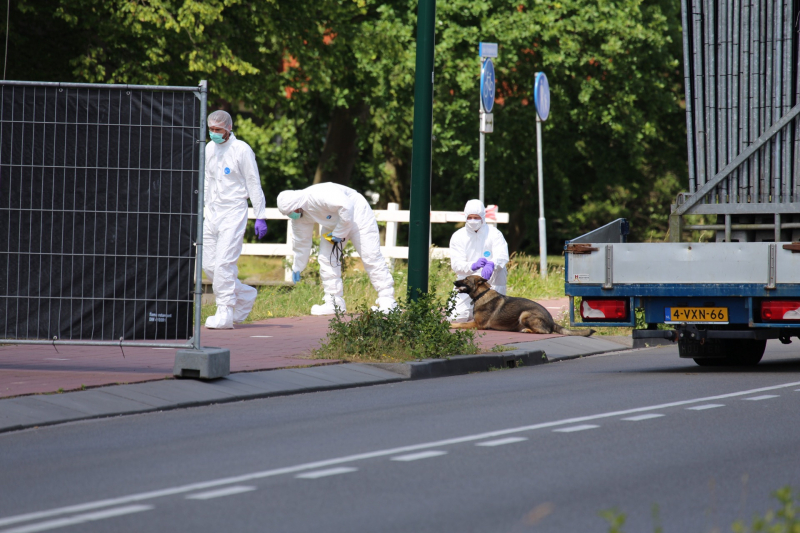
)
(542, 228)
(420, 205)
(486, 51)
(541, 97)
(481, 172)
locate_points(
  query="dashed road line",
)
(229, 491)
(316, 474)
(419, 455)
(704, 407)
(501, 442)
(308, 467)
(639, 418)
(79, 519)
(762, 397)
(572, 429)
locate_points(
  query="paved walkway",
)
(264, 345)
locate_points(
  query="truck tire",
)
(723, 352)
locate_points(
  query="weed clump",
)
(416, 329)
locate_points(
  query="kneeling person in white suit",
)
(231, 178)
(481, 249)
(342, 213)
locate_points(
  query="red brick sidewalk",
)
(264, 345)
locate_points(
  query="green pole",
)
(420, 215)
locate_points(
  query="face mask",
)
(474, 225)
(294, 216)
(217, 137)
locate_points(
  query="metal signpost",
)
(486, 51)
(541, 97)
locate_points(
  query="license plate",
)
(707, 315)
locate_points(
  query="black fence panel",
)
(98, 207)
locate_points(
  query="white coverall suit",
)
(344, 213)
(231, 177)
(466, 247)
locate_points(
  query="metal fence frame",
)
(741, 63)
(201, 93)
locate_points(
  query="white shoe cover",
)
(328, 307)
(385, 304)
(222, 320)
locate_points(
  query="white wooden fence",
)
(392, 216)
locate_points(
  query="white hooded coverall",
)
(468, 246)
(344, 213)
(231, 178)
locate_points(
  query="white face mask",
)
(474, 225)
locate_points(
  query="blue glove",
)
(478, 264)
(261, 228)
(330, 238)
(295, 277)
(488, 268)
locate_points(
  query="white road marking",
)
(260, 336)
(229, 491)
(762, 397)
(639, 418)
(55, 359)
(419, 455)
(79, 519)
(325, 473)
(501, 442)
(576, 428)
(704, 407)
(182, 489)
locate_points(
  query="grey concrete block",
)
(464, 364)
(183, 393)
(132, 393)
(38, 413)
(95, 403)
(351, 375)
(205, 363)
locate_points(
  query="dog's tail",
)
(573, 332)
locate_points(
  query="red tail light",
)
(780, 310)
(595, 309)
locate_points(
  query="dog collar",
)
(479, 296)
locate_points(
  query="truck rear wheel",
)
(723, 352)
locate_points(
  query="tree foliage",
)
(323, 91)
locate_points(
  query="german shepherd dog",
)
(492, 310)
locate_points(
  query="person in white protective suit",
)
(231, 178)
(342, 213)
(481, 249)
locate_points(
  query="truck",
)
(723, 299)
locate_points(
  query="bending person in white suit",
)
(231, 178)
(342, 213)
(477, 248)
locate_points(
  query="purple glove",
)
(488, 268)
(478, 264)
(261, 228)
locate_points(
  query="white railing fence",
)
(393, 216)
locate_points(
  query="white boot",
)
(329, 307)
(222, 320)
(245, 298)
(385, 304)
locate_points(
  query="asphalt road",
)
(542, 449)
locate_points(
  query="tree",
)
(323, 91)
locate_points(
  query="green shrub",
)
(416, 329)
(786, 519)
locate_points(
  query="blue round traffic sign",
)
(487, 86)
(541, 95)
